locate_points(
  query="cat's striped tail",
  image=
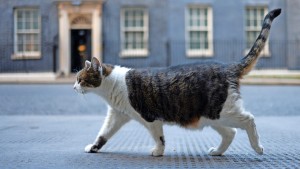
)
(249, 61)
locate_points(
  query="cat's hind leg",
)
(250, 127)
(112, 123)
(239, 118)
(227, 135)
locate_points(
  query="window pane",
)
(142, 23)
(247, 17)
(198, 17)
(36, 39)
(27, 19)
(20, 42)
(35, 25)
(138, 40)
(262, 13)
(20, 25)
(128, 40)
(130, 24)
(194, 40)
(27, 16)
(20, 38)
(251, 37)
(134, 18)
(191, 22)
(134, 40)
(35, 20)
(20, 48)
(139, 21)
(35, 15)
(126, 14)
(20, 14)
(27, 25)
(20, 20)
(255, 16)
(126, 23)
(198, 39)
(205, 40)
(30, 42)
(197, 12)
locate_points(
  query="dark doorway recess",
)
(80, 48)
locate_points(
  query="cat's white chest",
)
(114, 90)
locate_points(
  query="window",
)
(26, 34)
(199, 31)
(134, 32)
(254, 20)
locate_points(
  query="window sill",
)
(134, 53)
(19, 56)
(199, 53)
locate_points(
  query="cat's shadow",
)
(179, 159)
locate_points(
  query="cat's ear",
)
(87, 64)
(96, 64)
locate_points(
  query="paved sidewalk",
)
(58, 142)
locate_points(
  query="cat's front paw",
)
(158, 151)
(260, 150)
(91, 148)
(214, 152)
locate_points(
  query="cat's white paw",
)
(214, 152)
(158, 151)
(259, 150)
(91, 148)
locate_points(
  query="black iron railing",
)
(277, 55)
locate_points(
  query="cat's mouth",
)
(80, 91)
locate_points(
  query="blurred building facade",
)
(59, 35)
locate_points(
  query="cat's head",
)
(89, 77)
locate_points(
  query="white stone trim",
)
(64, 42)
(68, 12)
(96, 34)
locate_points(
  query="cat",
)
(191, 95)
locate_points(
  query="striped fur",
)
(180, 94)
(249, 61)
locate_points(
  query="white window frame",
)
(26, 54)
(209, 28)
(135, 52)
(266, 51)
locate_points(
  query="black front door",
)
(80, 48)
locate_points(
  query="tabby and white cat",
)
(191, 95)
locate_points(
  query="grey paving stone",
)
(58, 142)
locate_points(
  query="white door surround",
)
(87, 15)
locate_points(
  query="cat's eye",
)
(79, 80)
